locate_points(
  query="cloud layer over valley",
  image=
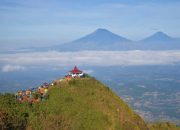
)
(19, 61)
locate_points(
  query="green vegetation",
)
(13, 115)
(163, 126)
(79, 104)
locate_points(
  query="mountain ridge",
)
(103, 39)
(74, 104)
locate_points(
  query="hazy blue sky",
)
(58, 21)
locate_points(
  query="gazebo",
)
(76, 72)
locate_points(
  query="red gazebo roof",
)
(76, 70)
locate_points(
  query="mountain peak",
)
(73, 104)
(158, 37)
(102, 36)
(101, 30)
(99, 39)
(161, 34)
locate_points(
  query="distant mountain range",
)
(103, 39)
(159, 41)
(100, 39)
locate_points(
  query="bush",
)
(3, 120)
(13, 115)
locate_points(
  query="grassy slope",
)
(87, 104)
(163, 126)
(82, 104)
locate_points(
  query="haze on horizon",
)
(45, 22)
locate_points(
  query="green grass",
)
(88, 105)
(80, 104)
(163, 126)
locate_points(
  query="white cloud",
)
(88, 71)
(96, 58)
(10, 68)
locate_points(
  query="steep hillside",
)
(163, 126)
(78, 104)
(88, 104)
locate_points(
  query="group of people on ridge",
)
(33, 95)
(41, 93)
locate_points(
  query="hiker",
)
(45, 93)
(34, 90)
(45, 84)
(45, 90)
(41, 91)
(24, 96)
(23, 93)
(19, 95)
(28, 93)
(16, 95)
